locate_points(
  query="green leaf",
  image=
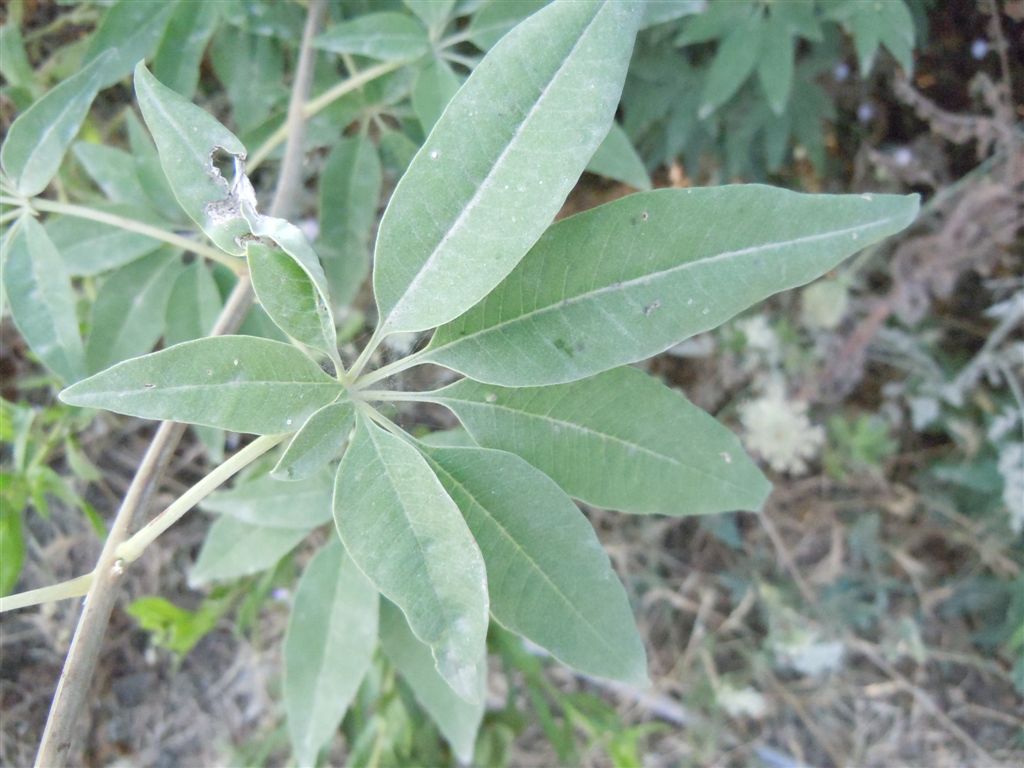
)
(14, 64)
(12, 543)
(194, 305)
(128, 314)
(37, 140)
(130, 30)
(406, 534)
(151, 174)
(317, 443)
(775, 67)
(500, 161)
(457, 719)
(660, 11)
(187, 138)
(89, 248)
(548, 577)
(630, 279)
(496, 19)
(872, 24)
(735, 59)
(620, 440)
(272, 503)
(251, 68)
(288, 295)
(714, 21)
(350, 188)
(435, 86)
(386, 35)
(238, 383)
(180, 52)
(617, 159)
(112, 169)
(433, 13)
(331, 637)
(234, 549)
(42, 302)
(172, 627)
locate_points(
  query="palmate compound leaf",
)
(630, 279)
(37, 140)
(500, 161)
(457, 719)
(328, 647)
(407, 535)
(548, 577)
(238, 383)
(187, 138)
(42, 301)
(621, 440)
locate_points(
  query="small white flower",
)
(779, 431)
(742, 702)
(759, 334)
(1011, 467)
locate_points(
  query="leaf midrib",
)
(485, 183)
(653, 276)
(590, 431)
(505, 532)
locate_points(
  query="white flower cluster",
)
(1011, 467)
(778, 430)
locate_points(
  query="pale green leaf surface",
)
(272, 503)
(151, 174)
(387, 35)
(621, 440)
(350, 188)
(42, 302)
(435, 86)
(496, 19)
(457, 719)
(548, 576)
(130, 30)
(91, 247)
(317, 443)
(716, 20)
(194, 305)
(37, 140)
(407, 535)
(234, 549)
(251, 68)
(14, 64)
(616, 158)
(735, 59)
(433, 13)
(328, 647)
(186, 139)
(289, 297)
(629, 279)
(180, 52)
(238, 383)
(129, 311)
(113, 170)
(500, 161)
(660, 11)
(775, 67)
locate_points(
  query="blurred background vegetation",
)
(872, 616)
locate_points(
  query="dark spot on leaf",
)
(562, 346)
(651, 308)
